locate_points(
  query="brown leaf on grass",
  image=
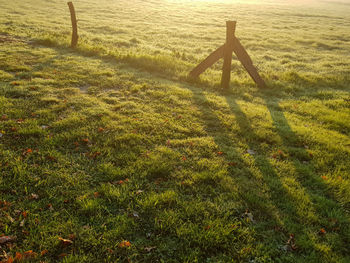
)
(124, 243)
(4, 117)
(279, 155)
(50, 207)
(24, 214)
(207, 227)
(251, 152)
(44, 252)
(22, 223)
(4, 204)
(101, 129)
(220, 153)
(231, 164)
(62, 255)
(134, 214)
(51, 158)
(94, 155)
(27, 151)
(72, 236)
(322, 231)
(120, 182)
(149, 249)
(29, 254)
(18, 256)
(7, 239)
(9, 260)
(34, 196)
(290, 245)
(96, 194)
(65, 242)
(10, 218)
(249, 216)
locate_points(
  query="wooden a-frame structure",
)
(225, 51)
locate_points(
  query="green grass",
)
(111, 142)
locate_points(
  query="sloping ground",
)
(97, 152)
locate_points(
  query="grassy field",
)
(109, 153)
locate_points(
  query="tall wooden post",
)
(226, 69)
(74, 25)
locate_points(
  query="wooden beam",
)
(208, 62)
(226, 68)
(247, 62)
(74, 25)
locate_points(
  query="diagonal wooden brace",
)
(208, 62)
(247, 63)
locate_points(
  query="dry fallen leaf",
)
(6, 239)
(29, 254)
(249, 216)
(50, 207)
(22, 223)
(10, 218)
(322, 231)
(251, 152)
(44, 252)
(124, 244)
(34, 196)
(290, 245)
(65, 242)
(62, 255)
(149, 249)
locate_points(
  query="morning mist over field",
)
(174, 131)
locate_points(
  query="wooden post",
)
(74, 25)
(225, 51)
(226, 69)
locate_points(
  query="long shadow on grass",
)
(326, 205)
(279, 210)
(305, 223)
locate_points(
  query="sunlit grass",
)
(119, 145)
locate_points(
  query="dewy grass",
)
(109, 153)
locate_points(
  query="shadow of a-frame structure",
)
(284, 215)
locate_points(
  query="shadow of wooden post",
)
(225, 51)
(74, 25)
